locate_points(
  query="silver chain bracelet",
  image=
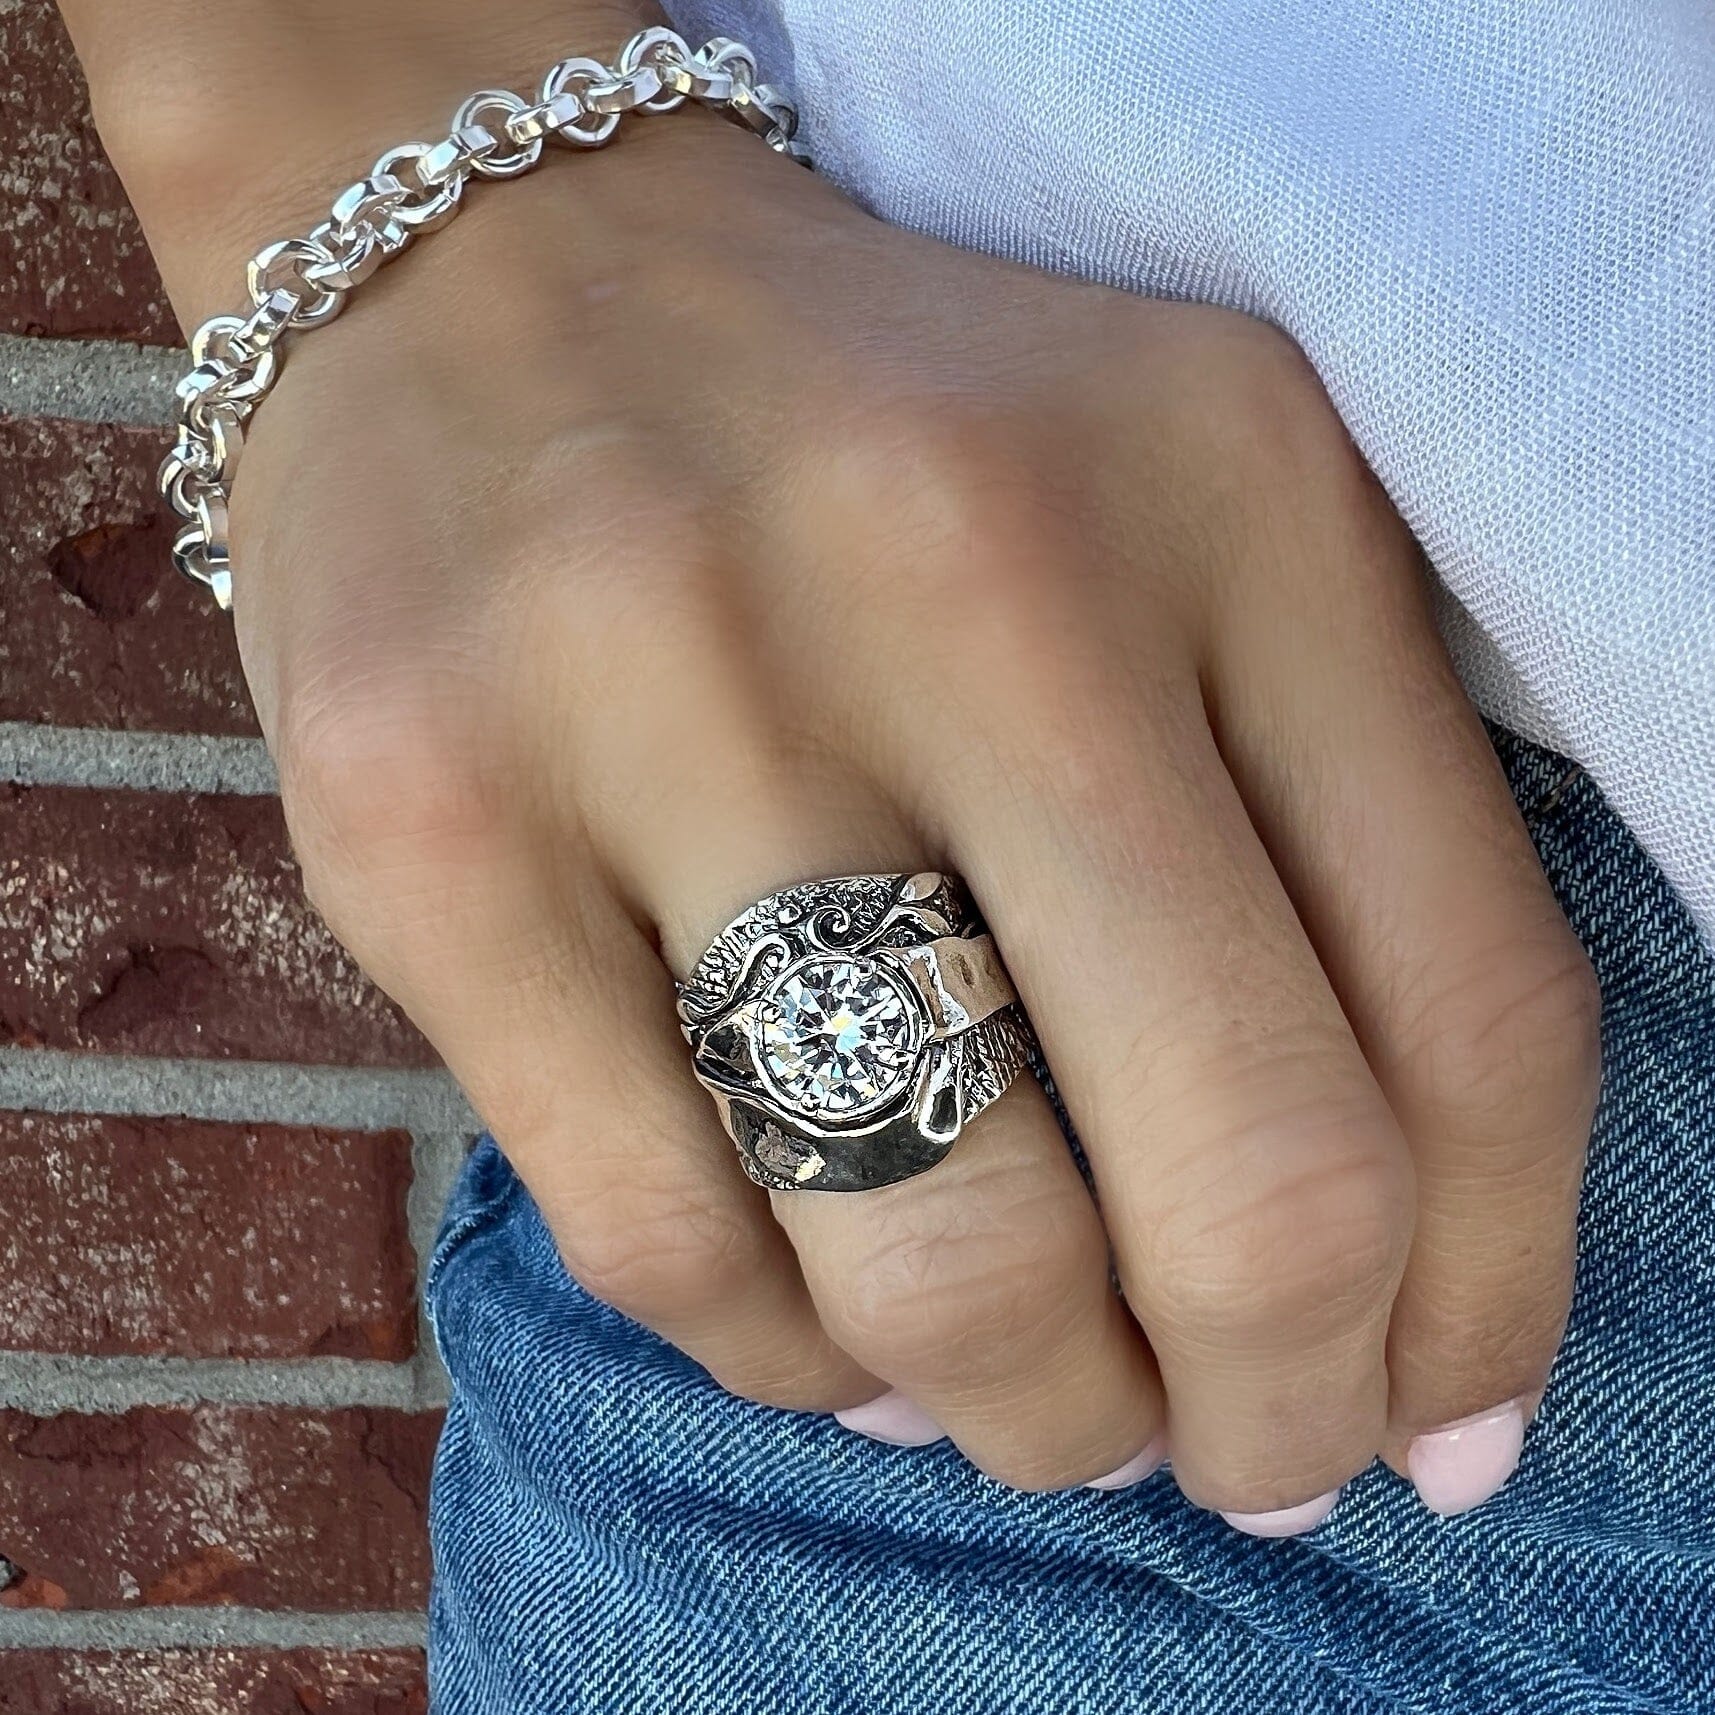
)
(415, 188)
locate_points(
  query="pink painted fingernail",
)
(893, 1419)
(1135, 1469)
(1461, 1466)
(1288, 1521)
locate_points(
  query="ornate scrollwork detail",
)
(851, 913)
(848, 1029)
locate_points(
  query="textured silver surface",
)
(849, 1029)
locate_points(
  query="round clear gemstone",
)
(837, 1037)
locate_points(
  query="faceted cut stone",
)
(837, 1037)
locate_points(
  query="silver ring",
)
(850, 1029)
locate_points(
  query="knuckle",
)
(1282, 486)
(785, 1380)
(1306, 1228)
(945, 508)
(969, 1287)
(1265, 401)
(947, 511)
(384, 788)
(655, 1255)
(643, 535)
(1518, 1025)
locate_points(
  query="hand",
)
(667, 530)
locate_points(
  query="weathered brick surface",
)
(99, 629)
(133, 923)
(72, 259)
(195, 1240)
(213, 1682)
(262, 1508)
(153, 924)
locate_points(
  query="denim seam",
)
(454, 1236)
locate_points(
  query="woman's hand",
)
(667, 530)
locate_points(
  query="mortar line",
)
(207, 1628)
(352, 1098)
(88, 380)
(33, 755)
(49, 1384)
(437, 1156)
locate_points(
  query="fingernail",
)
(1135, 1469)
(1288, 1521)
(893, 1419)
(1461, 1466)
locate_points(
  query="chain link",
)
(415, 188)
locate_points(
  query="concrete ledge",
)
(207, 1628)
(45, 1384)
(88, 380)
(140, 761)
(354, 1098)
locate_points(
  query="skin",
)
(667, 529)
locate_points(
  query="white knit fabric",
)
(1490, 224)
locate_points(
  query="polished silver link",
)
(757, 108)
(196, 396)
(698, 82)
(455, 159)
(267, 323)
(666, 53)
(296, 284)
(588, 130)
(722, 53)
(624, 94)
(424, 207)
(500, 105)
(353, 256)
(193, 558)
(366, 206)
(201, 461)
(237, 375)
(281, 267)
(537, 124)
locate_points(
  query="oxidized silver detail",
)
(414, 189)
(850, 1029)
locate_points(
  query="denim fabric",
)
(615, 1534)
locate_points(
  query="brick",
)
(100, 630)
(175, 1238)
(72, 257)
(277, 1508)
(213, 1682)
(144, 923)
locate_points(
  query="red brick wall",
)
(221, 1152)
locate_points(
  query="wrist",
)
(231, 124)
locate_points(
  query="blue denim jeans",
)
(615, 1534)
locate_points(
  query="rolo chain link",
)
(415, 188)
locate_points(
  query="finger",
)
(1386, 810)
(503, 945)
(1254, 1183)
(981, 1289)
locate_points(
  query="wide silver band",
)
(849, 1029)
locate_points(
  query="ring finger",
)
(980, 1291)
